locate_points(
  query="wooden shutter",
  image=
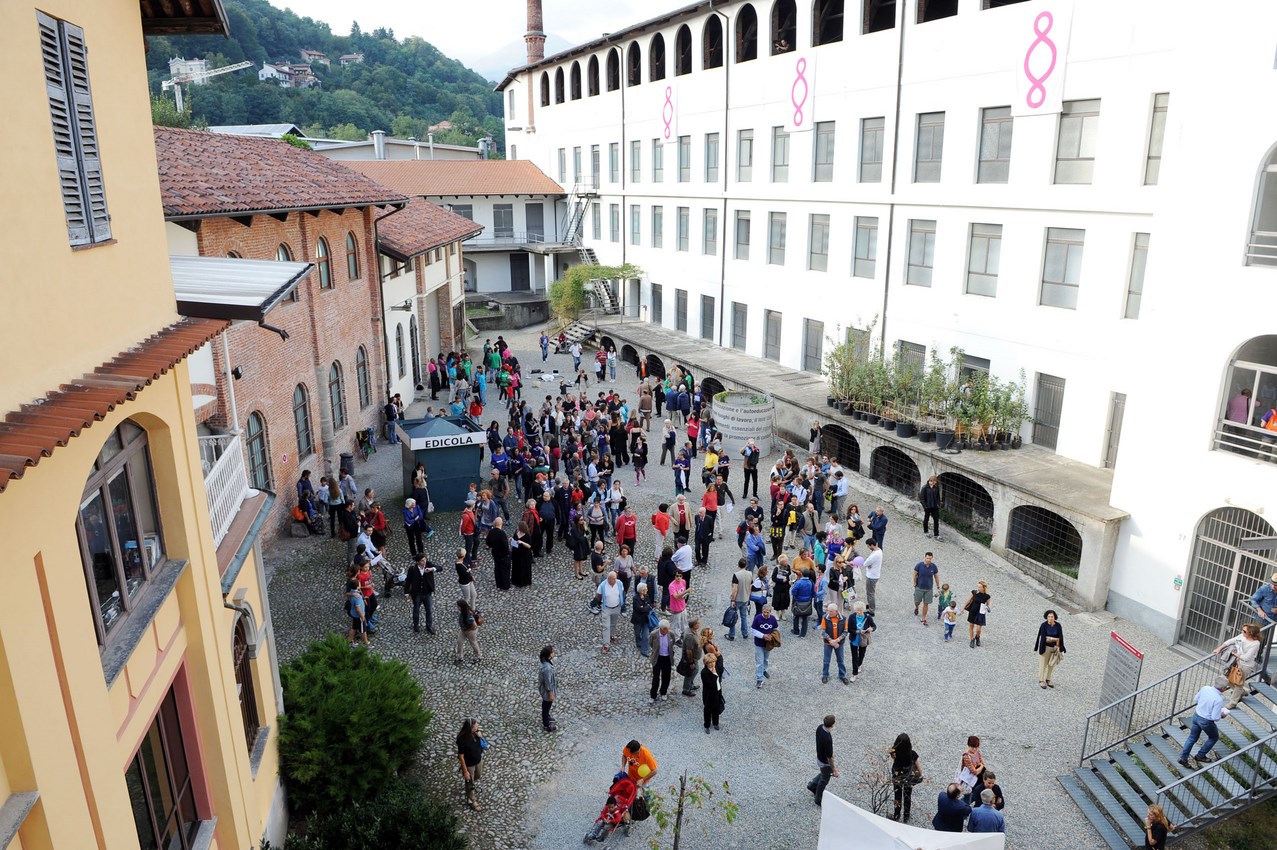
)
(90, 159)
(70, 178)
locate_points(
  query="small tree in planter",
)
(904, 408)
(1016, 410)
(932, 398)
(839, 366)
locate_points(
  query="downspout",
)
(381, 288)
(621, 213)
(723, 147)
(895, 156)
(621, 81)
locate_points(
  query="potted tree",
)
(1017, 411)
(839, 365)
(931, 399)
(906, 399)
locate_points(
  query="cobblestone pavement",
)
(544, 791)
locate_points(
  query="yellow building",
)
(138, 691)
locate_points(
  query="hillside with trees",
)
(401, 87)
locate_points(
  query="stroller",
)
(620, 810)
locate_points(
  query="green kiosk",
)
(451, 447)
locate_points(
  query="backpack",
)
(638, 809)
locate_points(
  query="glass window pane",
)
(1053, 268)
(126, 532)
(97, 540)
(1070, 137)
(979, 254)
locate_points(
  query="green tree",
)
(567, 296)
(401, 814)
(672, 810)
(347, 133)
(164, 113)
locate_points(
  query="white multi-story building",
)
(179, 67)
(1080, 190)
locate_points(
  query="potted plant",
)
(1017, 411)
(838, 366)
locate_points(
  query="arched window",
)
(336, 396)
(1045, 537)
(592, 77)
(545, 88)
(633, 65)
(399, 351)
(576, 80)
(826, 22)
(414, 350)
(323, 265)
(558, 85)
(244, 682)
(301, 421)
(258, 452)
(784, 26)
(712, 43)
(119, 528)
(361, 377)
(1222, 576)
(746, 34)
(683, 51)
(352, 257)
(1246, 421)
(232, 255)
(613, 69)
(1262, 249)
(284, 254)
(656, 59)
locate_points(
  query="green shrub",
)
(401, 815)
(353, 720)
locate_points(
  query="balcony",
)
(515, 240)
(225, 480)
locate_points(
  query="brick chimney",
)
(535, 36)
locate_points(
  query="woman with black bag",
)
(905, 773)
(711, 691)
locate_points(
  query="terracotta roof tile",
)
(422, 226)
(32, 433)
(212, 174)
(444, 177)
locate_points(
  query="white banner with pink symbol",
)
(666, 113)
(1041, 50)
(794, 91)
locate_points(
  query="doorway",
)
(520, 277)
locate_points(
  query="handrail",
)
(1232, 767)
(1162, 709)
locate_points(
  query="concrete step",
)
(1138, 776)
(1092, 813)
(1109, 804)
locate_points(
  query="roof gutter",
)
(284, 210)
(399, 255)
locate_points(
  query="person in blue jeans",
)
(742, 580)
(834, 631)
(803, 598)
(755, 547)
(1210, 709)
(764, 624)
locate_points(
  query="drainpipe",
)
(895, 156)
(723, 147)
(381, 288)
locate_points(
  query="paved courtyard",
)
(543, 791)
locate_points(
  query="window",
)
(683, 51)
(336, 396)
(414, 350)
(1135, 284)
(983, 255)
(558, 85)
(684, 228)
(636, 161)
(1262, 248)
(684, 159)
(656, 59)
(1156, 134)
(1048, 410)
(995, 145)
(361, 377)
(514, 152)
(614, 162)
(818, 243)
(658, 304)
(1079, 133)
(400, 359)
(118, 527)
(712, 44)
(545, 89)
(934, 10)
(323, 265)
(784, 26)
(823, 155)
(158, 780)
(284, 254)
(658, 161)
(711, 157)
(878, 15)
(633, 65)
(709, 239)
(922, 250)
(301, 421)
(865, 261)
(771, 335)
(352, 257)
(930, 147)
(636, 224)
(1249, 392)
(596, 221)
(563, 165)
(658, 226)
(971, 364)
(463, 210)
(744, 156)
(746, 34)
(592, 77)
(575, 80)
(680, 309)
(258, 452)
(614, 222)
(742, 235)
(244, 683)
(1062, 267)
(75, 139)
(576, 163)
(826, 19)
(613, 70)
(911, 356)
(503, 221)
(594, 166)
(740, 322)
(871, 130)
(780, 155)
(813, 345)
(707, 317)
(509, 109)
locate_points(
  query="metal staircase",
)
(604, 295)
(587, 255)
(578, 203)
(1131, 749)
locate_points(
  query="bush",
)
(401, 815)
(353, 721)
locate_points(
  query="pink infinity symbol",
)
(667, 111)
(799, 101)
(1037, 92)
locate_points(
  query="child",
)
(950, 618)
(946, 596)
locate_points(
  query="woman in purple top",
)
(764, 625)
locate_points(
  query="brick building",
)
(298, 404)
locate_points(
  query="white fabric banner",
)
(1040, 51)
(794, 91)
(846, 827)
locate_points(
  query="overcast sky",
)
(470, 31)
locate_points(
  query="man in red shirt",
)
(627, 528)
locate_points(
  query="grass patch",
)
(482, 312)
(1253, 829)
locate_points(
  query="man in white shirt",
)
(1210, 708)
(840, 493)
(575, 351)
(612, 600)
(684, 560)
(873, 572)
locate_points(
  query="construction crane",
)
(176, 83)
